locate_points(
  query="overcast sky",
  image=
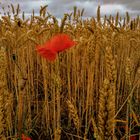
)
(59, 7)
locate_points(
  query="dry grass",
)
(90, 91)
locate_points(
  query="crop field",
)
(91, 91)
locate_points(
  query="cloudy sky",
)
(59, 7)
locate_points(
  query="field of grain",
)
(90, 92)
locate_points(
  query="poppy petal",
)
(58, 43)
(61, 42)
(46, 53)
(25, 137)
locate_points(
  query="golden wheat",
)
(98, 77)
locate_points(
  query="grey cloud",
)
(25, 5)
(130, 4)
(59, 7)
(134, 6)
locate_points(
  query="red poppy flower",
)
(61, 42)
(133, 138)
(46, 53)
(25, 137)
(58, 43)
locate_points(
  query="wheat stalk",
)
(73, 114)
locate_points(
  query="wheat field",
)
(90, 92)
